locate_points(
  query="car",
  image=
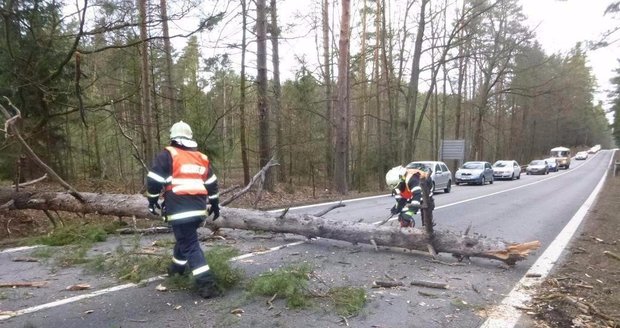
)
(537, 166)
(581, 155)
(474, 172)
(552, 163)
(440, 174)
(506, 170)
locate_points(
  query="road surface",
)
(532, 208)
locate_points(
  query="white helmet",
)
(393, 176)
(180, 129)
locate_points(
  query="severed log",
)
(305, 225)
(16, 284)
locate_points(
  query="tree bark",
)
(327, 80)
(277, 92)
(169, 102)
(300, 224)
(261, 85)
(242, 132)
(341, 171)
(147, 134)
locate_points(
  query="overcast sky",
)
(560, 24)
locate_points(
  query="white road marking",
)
(12, 314)
(18, 249)
(506, 315)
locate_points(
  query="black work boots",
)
(206, 286)
(209, 290)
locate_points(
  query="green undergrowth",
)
(348, 301)
(77, 233)
(218, 258)
(225, 274)
(290, 283)
(63, 257)
(129, 263)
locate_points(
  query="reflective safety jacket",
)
(408, 191)
(187, 179)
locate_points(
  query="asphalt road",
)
(532, 208)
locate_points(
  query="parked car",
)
(552, 163)
(440, 173)
(581, 155)
(474, 172)
(537, 166)
(506, 170)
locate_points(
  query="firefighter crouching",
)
(405, 183)
(187, 181)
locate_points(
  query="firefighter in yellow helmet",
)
(186, 179)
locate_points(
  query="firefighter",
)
(187, 181)
(405, 182)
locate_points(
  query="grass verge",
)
(348, 301)
(290, 283)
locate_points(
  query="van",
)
(562, 156)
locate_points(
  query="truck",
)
(562, 156)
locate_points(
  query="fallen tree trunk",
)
(305, 225)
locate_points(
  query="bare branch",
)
(11, 124)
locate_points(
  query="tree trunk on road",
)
(300, 224)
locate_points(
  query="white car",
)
(581, 155)
(506, 170)
(441, 175)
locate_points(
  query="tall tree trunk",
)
(362, 135)
(242, 128)
(147, 135)
(277, 91)
(412, 93)
(342, 132)
(169, 104)
(387, 71)
(327, 81)
(261, 82)
(401, 69)
(380, 138)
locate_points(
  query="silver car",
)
(474, 172)
(538, 166)
(441, 175)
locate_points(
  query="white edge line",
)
(329, 203)
(506, 315)
(12, 314)
(240, 257)
(17, 249)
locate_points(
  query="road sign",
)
(452, 149)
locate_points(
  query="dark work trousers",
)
(187, 247)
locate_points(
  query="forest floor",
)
(582, 291)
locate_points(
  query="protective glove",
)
(154, 205)
(394, 210)
(214, 208)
